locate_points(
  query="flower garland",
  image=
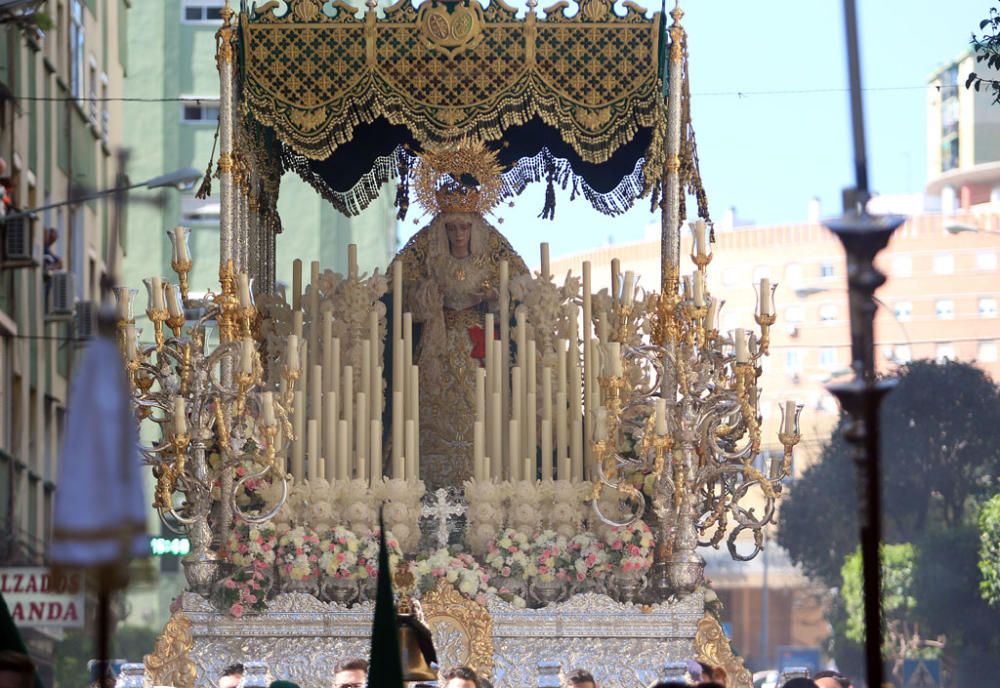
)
(339, 558)
(510, 555)
(244, 591)
(298, 554)
(459, 569)
(252, 546)
(589, 558)
(552, 557)
(630, 548)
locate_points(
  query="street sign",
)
(921, 673)
(37, 598)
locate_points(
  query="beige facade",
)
(60, 135)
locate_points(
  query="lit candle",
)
(366, 372)
(561, 429)
(299, 441)
(267, 408)
(628, 288)
(615, 271)
(180, 416)
(244, 289)
(614, 363)
(478, 450)
(292, 352)
(156, 294)
(712, 314)
(361, 436)
(407, 342)
(699, 289)
(174, 301)
(513, 451)
(343, 450)
(588, 354)
(601, 425)
(347, 404)
(297, 285)
(246, 356)
(496, 448)
(352, 261)
(576, 450)
(179, 237)
(297, 326)
(742, 356)
(661, 416)
(330, 412)
(545, 260)
(522, 336)
(312, 448)
(316, 393)
(411, 450)
(131, 347)
(700, 238)
(530, 425)
(327, 337)
(546, 449)
(547, 392)
(397, 300)
(414, 389)
(398, 448)
(765, 296)
(561, 365)
(375, 441)
(789, 417)
(480, 394)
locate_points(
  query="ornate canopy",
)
(351, 95)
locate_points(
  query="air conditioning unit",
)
(19, 249)
(61, 295)
(85, 320)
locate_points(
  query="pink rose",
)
(236, 610)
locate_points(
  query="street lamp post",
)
(182, 179)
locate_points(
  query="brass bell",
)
(416, 649)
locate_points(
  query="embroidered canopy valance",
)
(351, 93)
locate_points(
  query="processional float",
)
(612, 433)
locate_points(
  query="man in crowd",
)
(579, 678)
(350, 673)
(460, 677)
(831, 679)
(231, 676)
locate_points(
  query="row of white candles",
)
(338, 412)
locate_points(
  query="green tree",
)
(940, 461)
(987, 50)
(989, 550)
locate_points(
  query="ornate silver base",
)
(202, 569)
(686, 571)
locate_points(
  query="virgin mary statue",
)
(451, 274)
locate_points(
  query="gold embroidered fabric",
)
(313, 71)
(448, 296)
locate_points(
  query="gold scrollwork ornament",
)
(464, 622)
(712, 647)
(170, 663)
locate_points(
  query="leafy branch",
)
(987, 49)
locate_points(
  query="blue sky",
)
(786, 138)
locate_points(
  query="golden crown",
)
(464, 178)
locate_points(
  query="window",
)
(196, 211)
(828, 358)
(986, 260)
(902, 266)
(793, 275)
(793, 361)
(987, 307)
(202, 11)
(828, 312)
(904, 310)
(945, 352)
(944, 263)
(902, 354)
(76, 51)
(794, 314)
(944, 309)
(92, 92)
(105, 113)
(200, 111)
(826, 269)
(987, 352)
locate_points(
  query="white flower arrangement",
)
(339, 553)
(252, 546)
(298, 554)
(459, 569)
(510, 554)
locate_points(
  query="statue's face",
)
(459, 232)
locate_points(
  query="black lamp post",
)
(863, 237)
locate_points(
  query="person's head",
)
(350, 673)
(831, 679)
(231, 676)
(460, 677)
(16, 670)
(51, 235)
(459, 231)
(799, 682)
(579, 678)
